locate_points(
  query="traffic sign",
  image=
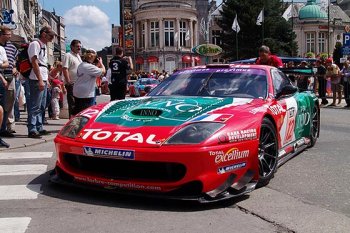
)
(346, 39)
(345, 50)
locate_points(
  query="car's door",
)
(289, 131)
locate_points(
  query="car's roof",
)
(284, 60)
(231, 66)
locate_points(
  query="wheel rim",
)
(314, 129)
(267, 152)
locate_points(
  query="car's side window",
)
(279, 80)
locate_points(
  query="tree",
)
(278, 33)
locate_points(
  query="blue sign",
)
(345, 50)
(346, 39)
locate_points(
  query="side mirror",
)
(286, 90)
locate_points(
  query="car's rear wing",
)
(298, 71)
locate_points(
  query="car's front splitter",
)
(226, 190)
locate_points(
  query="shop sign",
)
(208, 50)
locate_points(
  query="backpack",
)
(24, 66)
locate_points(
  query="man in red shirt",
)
(265, 58)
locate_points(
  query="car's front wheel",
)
(267, 152)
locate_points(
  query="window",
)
(143, 31)
(280, 80)
(310, 42)
(5, 4)
(215, 38)
(154, 33)
(321, 42)
(169, 33)
(183, 30)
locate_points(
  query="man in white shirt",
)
(70, 65)
(38, 77)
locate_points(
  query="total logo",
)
(99, 135)
(230, 155)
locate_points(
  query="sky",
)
(89, 21)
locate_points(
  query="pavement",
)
(21, 136)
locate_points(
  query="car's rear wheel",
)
(315, 125)
(267, 152)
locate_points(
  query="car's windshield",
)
(148, 81)
(244, 83)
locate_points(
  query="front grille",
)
(126, 169)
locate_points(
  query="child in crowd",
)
(55, 98)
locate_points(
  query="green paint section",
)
(304, 114)
(160, 111)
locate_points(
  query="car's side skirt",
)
(292, 150)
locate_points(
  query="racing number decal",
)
(115, 66)
(290, 125)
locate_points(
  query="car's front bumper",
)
(201, 180)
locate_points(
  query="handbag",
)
(8, 78)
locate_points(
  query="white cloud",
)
(90, 25)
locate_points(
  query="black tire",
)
(267, 152)
(315, 126)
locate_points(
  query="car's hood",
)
(164, 111)
(149, 120)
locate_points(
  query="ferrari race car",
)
(205, 133)
(142, 86)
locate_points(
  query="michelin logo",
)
(229, 168)
(122, 154)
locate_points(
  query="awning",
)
(186, 59)
(139, 60)
(197, 59)
(152, 59)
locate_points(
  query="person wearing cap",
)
(266, 58)
(55, 98)
(38, 82)
(84, 89)
(333, 73)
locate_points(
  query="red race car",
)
(205, 133)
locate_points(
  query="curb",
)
(41, 141)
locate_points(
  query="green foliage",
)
(310, 55)
(324, 56)
(278, 33)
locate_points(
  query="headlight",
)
(72, 129)
(194, 133)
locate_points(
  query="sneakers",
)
(7, 134)
(55, 118)
(4, 144)
(34, 135)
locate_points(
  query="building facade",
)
(26, 17)
(316, 33)
(163, 32)
(56, 48)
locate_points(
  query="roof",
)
(312, 11)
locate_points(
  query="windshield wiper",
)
(205, 85)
